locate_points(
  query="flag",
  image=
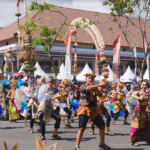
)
(18, 6)
(147, 59)
(135, 55)
(68, 56)
(26, 9)
(116, 59)
(96, 65)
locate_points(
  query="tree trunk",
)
(51, 59)
(142, 70)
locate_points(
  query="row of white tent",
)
(127, 77)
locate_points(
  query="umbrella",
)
(17, 74)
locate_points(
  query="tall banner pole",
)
(116, 59)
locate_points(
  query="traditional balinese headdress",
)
(65, 82)
(13, 83)
(30, 81)
(121, 84)
(9, 50)
(105, 72)
(50, 79)
(90, 74)
(106, 82)
(113, 85)
(40, 80)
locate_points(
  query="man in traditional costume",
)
(8, 67)
(118, 105)
(88, 110)
(102, 110)
(45, 109)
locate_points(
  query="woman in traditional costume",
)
(118, 105)
(13, 111)
(88, 110)
(140, 125)
(63, 96)
(45, 109)
(102, 110)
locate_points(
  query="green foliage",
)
(21, 26)
(96, 14)
(110, 28)
(77, 26)
(36, 42)
(41, 7)
(45, 48)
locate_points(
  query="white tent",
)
(81, 76)
(110, 77)
(0, 70)
(21, 68)
(61, 74)
(128, 76)
(146, 75)
(39, 71)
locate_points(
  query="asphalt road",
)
(18, 133)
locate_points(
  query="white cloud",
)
(9, 9)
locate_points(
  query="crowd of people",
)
(44, 99)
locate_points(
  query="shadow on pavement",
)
(127, 148)
(121, 134)
(5, 128)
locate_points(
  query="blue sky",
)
(9, 9)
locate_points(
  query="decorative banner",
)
(116, 59)
(68, 66)
(146, 48)
(75, 62)
(18, 6)
(135, 55)
(96, 65)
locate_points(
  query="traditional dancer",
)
(118, 105)
(45, 109)
(102, 110)
(63, 96)
(131, 102)
(13, 111)
(140, 125)
(87, 109)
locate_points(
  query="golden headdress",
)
(50, 79)
(120, 84)
(105, 81)
(113, 85)
(90, 74)
(13, 83)
(65, 82)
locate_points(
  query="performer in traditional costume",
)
(118, 105)
(13, 111)
(8, 67)
(140, 125)
(63, 96)
(88, 109)
(131, 102)
(45, 109)
(102, 110)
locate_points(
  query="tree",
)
(47, 35)
(126, 13)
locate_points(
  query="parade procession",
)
(75, 79)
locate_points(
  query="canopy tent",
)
(21, 69)
(128, 76)
(81, 76)
(39, 71)
(146, 75)
(61, 74)
(110, 77)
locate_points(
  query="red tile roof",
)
(1, 28)
(83, 37)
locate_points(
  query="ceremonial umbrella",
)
(17, 74)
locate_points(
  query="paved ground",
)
(12, 133)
